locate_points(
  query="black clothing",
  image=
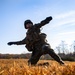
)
(36, 42)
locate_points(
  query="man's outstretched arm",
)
(24, 41)
(44, 22)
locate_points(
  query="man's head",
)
(28, 24)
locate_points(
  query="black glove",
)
(49, 18)
(10, 43)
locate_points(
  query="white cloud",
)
(64, 19)
(67, 33)
(64, 15)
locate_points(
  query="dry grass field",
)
(20, 67)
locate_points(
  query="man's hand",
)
(10, 43)
(49, 18)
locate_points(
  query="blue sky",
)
(13, 13)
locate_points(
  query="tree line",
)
(15, 56)
(67, 57)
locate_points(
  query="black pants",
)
(45, 49)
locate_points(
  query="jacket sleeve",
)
(44, 22)
(24, 41)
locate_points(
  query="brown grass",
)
(20, 67)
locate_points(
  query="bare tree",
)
(62, 48)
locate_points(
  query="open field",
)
(20, 67)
